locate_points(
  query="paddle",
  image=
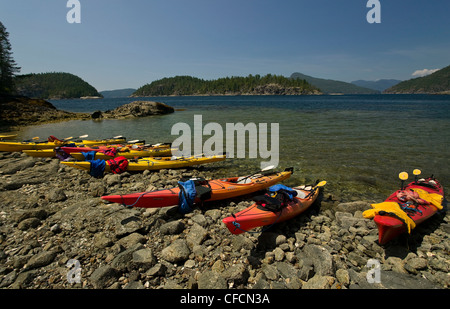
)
(403, 176)
(201, 155)
(34, 140)
(267, 168)
(65, 139)
(319, 185)
(71, 137)
(183, 157)
(416, 173)
(158, 144)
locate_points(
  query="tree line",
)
(8, 67)
(55, 85)
(188, 85)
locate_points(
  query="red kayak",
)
(419, 200)
(70, 150)
(220, 189)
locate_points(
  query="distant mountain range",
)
(436, 83)
(380, 85)
(58, 85)
(328, 86)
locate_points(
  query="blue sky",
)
(121, 44)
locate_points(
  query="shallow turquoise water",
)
(358, 143)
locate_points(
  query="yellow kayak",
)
(152, 163)
(127, 151)
(20, 146)
(158, 152)
(41, 153)
(97, 142)
(7, 136)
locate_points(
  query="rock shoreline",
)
(51, 216)
(20, 111)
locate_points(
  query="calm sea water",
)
(358, 143)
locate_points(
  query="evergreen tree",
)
(8, 66)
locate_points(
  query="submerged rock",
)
(136, 109)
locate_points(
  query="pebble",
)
(50, 215)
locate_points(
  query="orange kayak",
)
(220, 189)
(256, 215)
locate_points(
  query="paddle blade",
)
(321, 184)
(417, 172)
(403, 175)
(268, 168)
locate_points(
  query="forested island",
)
(250, 85)
(436, 83)
(55, 85)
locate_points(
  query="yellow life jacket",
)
(432, 198)
(390, 208)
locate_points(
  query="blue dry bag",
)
(289, 191)
(97, 167)
(90, 155)
(186, 196)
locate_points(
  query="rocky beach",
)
(56, 233)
